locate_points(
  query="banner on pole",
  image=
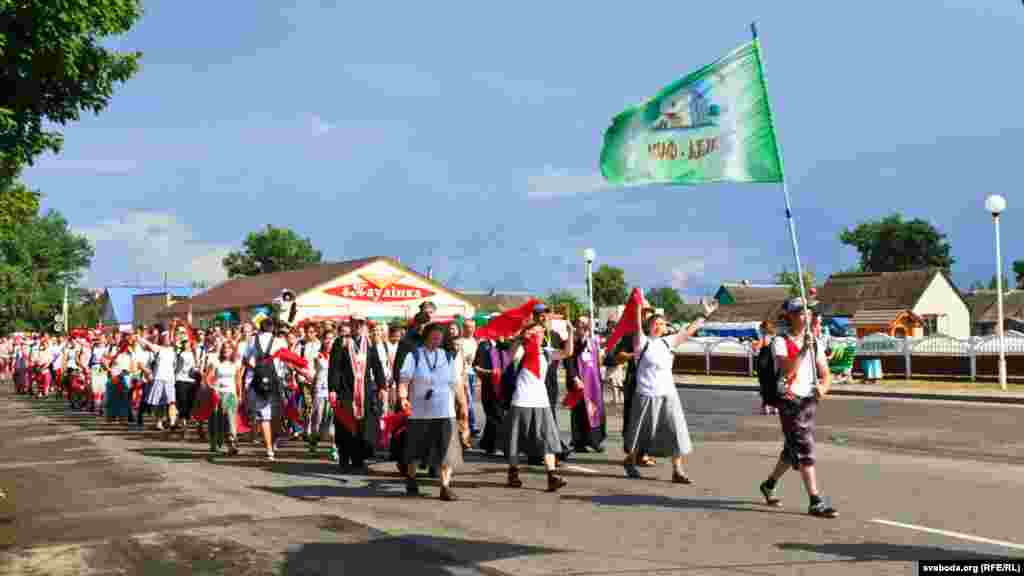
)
(713, 125)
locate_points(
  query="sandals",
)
(647, 462)
(678, 478)
(513, 479)
(448, 495)
(555, 483)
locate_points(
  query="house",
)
(494, 301)
(119, 304)
(895, 302)
(378, 287)
(745, 292)
(985, 311)
(146, 307)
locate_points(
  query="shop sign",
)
(380, 288)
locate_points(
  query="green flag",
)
(714, 125)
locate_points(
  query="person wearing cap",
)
(553, 340)
(354, 376)
(804, 377)
(413, 338)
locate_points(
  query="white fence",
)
(932, 356)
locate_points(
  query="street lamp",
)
(995, 204)
(588, 256)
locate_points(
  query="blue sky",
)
(465, 136)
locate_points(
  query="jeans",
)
(471, 384)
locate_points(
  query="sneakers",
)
(631, 471)
(333, 455)
(821, 509)
(769, 494)
(555, 483)
(448, 495)
(270, 456)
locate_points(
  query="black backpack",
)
(264, 377)
(768, 375)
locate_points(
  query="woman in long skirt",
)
(656, 422)
(225, 376)
(119, 386)
(530, 423)
(428, 384)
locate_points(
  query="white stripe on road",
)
(960, 535)
(576, 468)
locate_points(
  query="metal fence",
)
(939, 356)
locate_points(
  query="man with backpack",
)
(264, 397)
(767, 376)
(796, 394)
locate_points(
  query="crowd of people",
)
(407, 393)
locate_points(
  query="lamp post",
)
(995, 204)
(588, 256)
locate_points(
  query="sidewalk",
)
(951, 392)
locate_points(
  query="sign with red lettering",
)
(374, 288)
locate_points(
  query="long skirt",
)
(119, 397)
(223, 429)
(433, 442)
(321, 421)
(493, 438)
(583, 434)
(161, 393)
(657, 426)
(531, 430)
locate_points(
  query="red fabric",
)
(346, 418)
(206, 404)
(242, 421)
(627, 323)
(573, 397)
(290, 357)
(531, 357)
(792, 352)
(390, 425)
(508, 323)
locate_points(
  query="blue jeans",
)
(471, 384)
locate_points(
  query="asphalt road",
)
(912, 479)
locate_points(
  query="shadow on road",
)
(876, 551)
(410, 554)
(627, 500)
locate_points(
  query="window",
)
(931, 324)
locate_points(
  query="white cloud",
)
(319, 126)
(554, 183)
(149, 244)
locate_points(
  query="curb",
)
(975, 398)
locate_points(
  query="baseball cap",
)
(797, 305)
(358, 317)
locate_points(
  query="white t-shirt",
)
(224, 375)
(433, 372)
(188, 363)
(803, 386)
(164, 369)
(654, 370)
(532, 392)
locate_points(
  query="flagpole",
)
(789, 206)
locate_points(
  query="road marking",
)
(960, 535)
(576, 468)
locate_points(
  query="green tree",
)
(271, 250)
(53, 67)
(35, 265)
(993, 286)
(85, 309)
(791, 279)
(893, 244)
(610, 286)
(18, 204)
(668, 298)
(1018, 272)
(564, 298)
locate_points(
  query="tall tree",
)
(53, 67)
(893, 244)
(1018, 272)
(36, 264)
(567, 300)
(271, 250)
(792, 280)
(668, 298)
(610, 286)
(18, 204)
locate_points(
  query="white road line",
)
(960, 535)
(576, 468)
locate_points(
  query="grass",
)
(937, 386)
